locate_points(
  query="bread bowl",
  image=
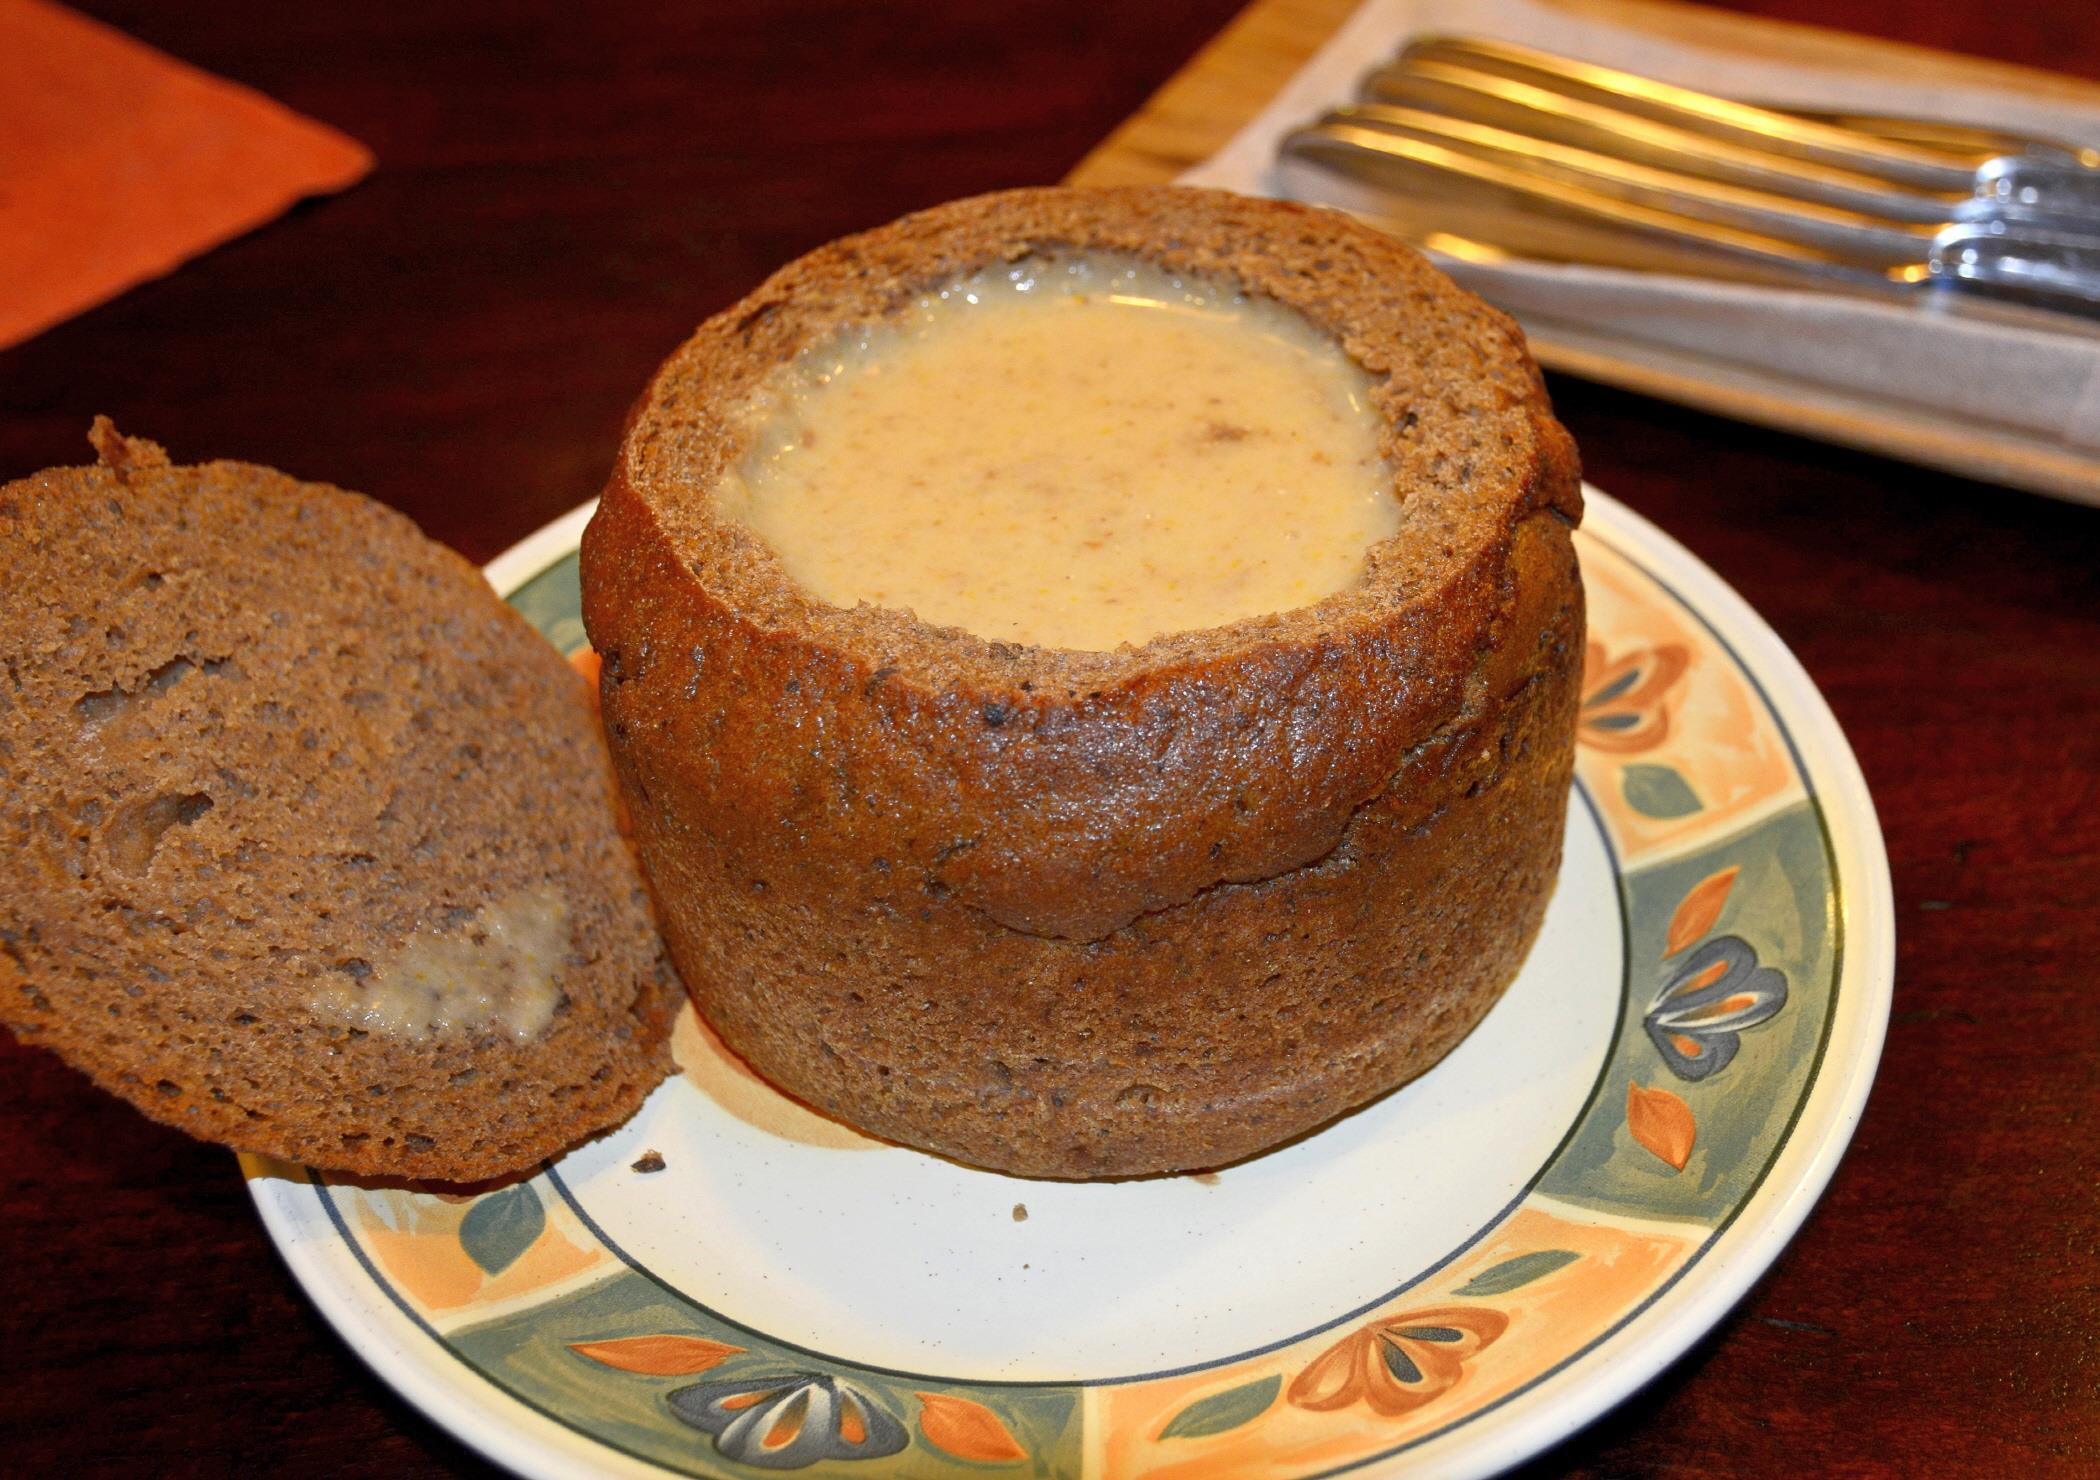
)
(1073, 913)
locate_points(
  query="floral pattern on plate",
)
(1673, 737)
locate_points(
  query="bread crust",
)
(1081, 914)
(256, 735)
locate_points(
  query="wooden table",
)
(563, 191)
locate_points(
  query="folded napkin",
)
(117, 163)
(1945, 376)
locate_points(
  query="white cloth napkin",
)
(2041, 384)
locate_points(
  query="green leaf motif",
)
(1659, 791)
(1227, 1410)
(1522, 1270)
(502, 1226)
(1399, 1363)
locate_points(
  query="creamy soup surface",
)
(1076, 454)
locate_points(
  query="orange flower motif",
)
(1699, 910)
(1398, 1363)
(1663, 1123)
(1623, 698)
(657, 1356)
(967, 1430)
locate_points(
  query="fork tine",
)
(1486, 97)
(1971, 140)
(1909, 164)
(1873, 241)
(1507, 189)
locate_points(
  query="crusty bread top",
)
(1068, 793)
(1460, 402)
(257, 736)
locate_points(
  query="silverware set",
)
(1487, 149)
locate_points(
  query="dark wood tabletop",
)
(564, 191)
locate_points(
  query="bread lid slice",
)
(307, 841)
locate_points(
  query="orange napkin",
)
(118, 162)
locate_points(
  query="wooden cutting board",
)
(1230, 80)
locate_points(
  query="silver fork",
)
(1567, 170)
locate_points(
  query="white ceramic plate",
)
(1445, 1282)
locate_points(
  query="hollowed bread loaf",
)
(1078, 914)
(308, 842)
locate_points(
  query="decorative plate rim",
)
(1663, 1328)
(1517, 1425)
